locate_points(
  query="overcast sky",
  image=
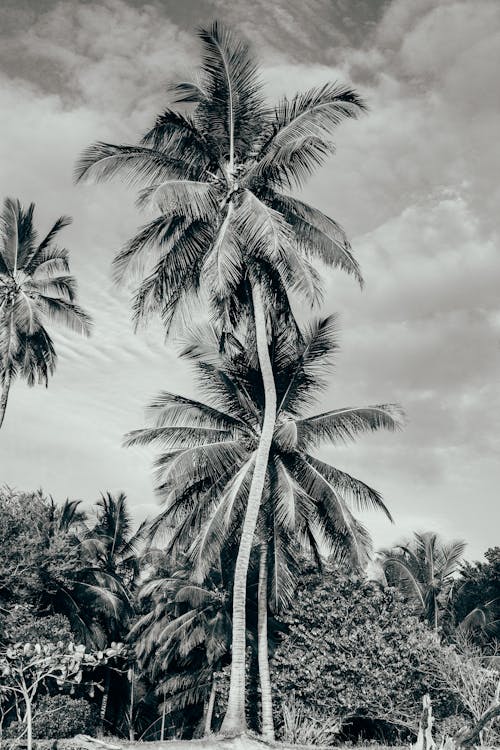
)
(415, 183)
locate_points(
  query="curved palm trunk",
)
(264, 675)
(234, 720)
(4, 398)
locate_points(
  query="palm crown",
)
(424, 569)
(217, 177)
(35, 288)
(204, 474)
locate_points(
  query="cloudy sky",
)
(415, 183)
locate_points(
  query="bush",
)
(300, 728)
(59, 717)
(355, 651)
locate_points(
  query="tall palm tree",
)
(205, 474)
(424, 570)
(226, 229)
(35, 288)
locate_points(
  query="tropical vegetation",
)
(36, 288)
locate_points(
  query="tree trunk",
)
(210, 708)
(28, 717)
(235, 720)
(467, 737)
(4, 397)
(131, 705)
(163, 715)
(264, 675)
(425, 741)
(105, 696)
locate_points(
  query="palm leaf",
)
(344, 424)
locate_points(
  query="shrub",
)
(356, 652)
(59, 717)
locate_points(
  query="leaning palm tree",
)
(35, 288)
(424, 569)
(227, 228)
(206, 472)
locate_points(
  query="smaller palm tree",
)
(424, 570)
(35, 288)
(116, 546)
(184, 637)
(209, 451)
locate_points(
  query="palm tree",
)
(424, 570)
(35, 287)
(227, 230)
(116, 547)
(184, 637)
(205, 473)
(226, 226)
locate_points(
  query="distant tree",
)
(476, 599)
(46, 561)
(117, 545)
(424, 569)
(35, 289)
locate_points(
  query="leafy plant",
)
(58, 717)
(303, 727)
(355, 651)
(36, 288)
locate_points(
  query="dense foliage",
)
(476, 603)
(356, 651)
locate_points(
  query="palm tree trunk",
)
(4, 397)
(234, 720)
(163, 715)
(131, 705)
(264, 675)
(210, 708)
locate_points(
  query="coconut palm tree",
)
(183, 638)
(205, 473)
(227, 229)
(424, 570)
(116, 546)
(35, 288)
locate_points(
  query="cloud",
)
(415, 183)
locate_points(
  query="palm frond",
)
(359, 493)
(68, 313)
(342, 425)
(232, 109)
(318, 236)
(176, 437)
(314, 113)
(103, 161)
